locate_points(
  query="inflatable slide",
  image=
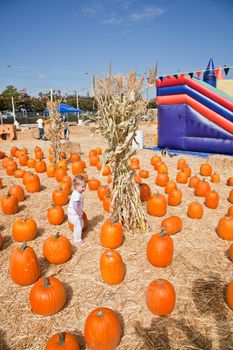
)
(194, 116)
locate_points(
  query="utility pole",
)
(77, 104)
(13, 108)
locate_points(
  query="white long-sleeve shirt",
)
(75, 206)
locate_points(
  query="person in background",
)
(65, 126)
(40, 123)
(75, 208)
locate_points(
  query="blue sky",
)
(60, 44)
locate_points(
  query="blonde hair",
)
(78, 180)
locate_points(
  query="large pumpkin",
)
(160, 249)
(102, 191)
(32, 183)
(160, 297)
(24, 266)
(60, 197)
(24, 229)
(57, 249)
(17, 191)
(62, 341)
(47, 296)
(202, 187)
(195, 210)
(111, 235)
(103, 330)
(212, 199)
(112, 267)
(174, 197)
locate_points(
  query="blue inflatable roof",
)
(64, 108)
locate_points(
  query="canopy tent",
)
(64, 108)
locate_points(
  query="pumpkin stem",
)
(23, 246)
(160, 283)
(114, 219)
(46, 282)
(56, 235)
(61, 340)
(163, 232)
(100, 314)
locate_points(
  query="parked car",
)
(6, 115)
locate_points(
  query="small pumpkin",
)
(60, 197)
(157, 205)
(93, 184)
(202, 188)
(145, 192)
(9, 204)
(172, 224)
(182, 177)
(161, 179)
(144, 174)
(171, 185)
(230, 251)
(1, 241)
(160, 297)
(229, 295)
(24, 229)
(103, 329)
(193, 181)
(205, 169)
(62, 341)
(57, 249)
(181, 164)
(230, 211)
(17, 191)
(212, 199)
(230, 198)
(154, 160)
(174, 197)
(47, 296)
(56, 215)
(102, 191)
(112, 267)
(107, 203)
(230, 181)
(215, 178)
(195, 210)
(225, 228)
(32, 183)
(24, 265)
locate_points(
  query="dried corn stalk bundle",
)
(54, 129)
(120, 104)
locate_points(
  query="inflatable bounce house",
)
(194, 115)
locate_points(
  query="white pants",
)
(78, 226)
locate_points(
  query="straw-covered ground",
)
(199, 272)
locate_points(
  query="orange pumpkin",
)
(60, 197)
(225, 228)
(160, 297)
(154, 160)
(212, 199)
(23, 159)
(9, 204)
(157, 205)
(24, 265)
(24, 229)
(112, 267)
(193, 181)
(162, 168)
(202, 188)
(56, 215)
(98, 150)
(31, 163)
(47, 296)
(93, 184)
(50, 170)
(94, 160)
(57, 249)
(62, 341)
(230, 198)
(74, 157)
(18, 174)
(77, 167)
(231, 252)
(144, 174)
(172, 224)
(161, 179)
(1, 241)
(59, 174)
(171, 185)
(106, 170)
(107, 203)
(181, 164)
(102, 191)
(182, 177)
(103, 330)
(230, 181)
(230, 211)
(229, 295)
(111, 234)
(92, 153)
(160, 249)
(195, 210)
(205, 169)
(32, 183)
(215, 178)
(174, 197)
(17, 191)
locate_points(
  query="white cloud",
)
(147, 14)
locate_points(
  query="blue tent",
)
(64, 108)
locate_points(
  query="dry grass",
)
(200, 270)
